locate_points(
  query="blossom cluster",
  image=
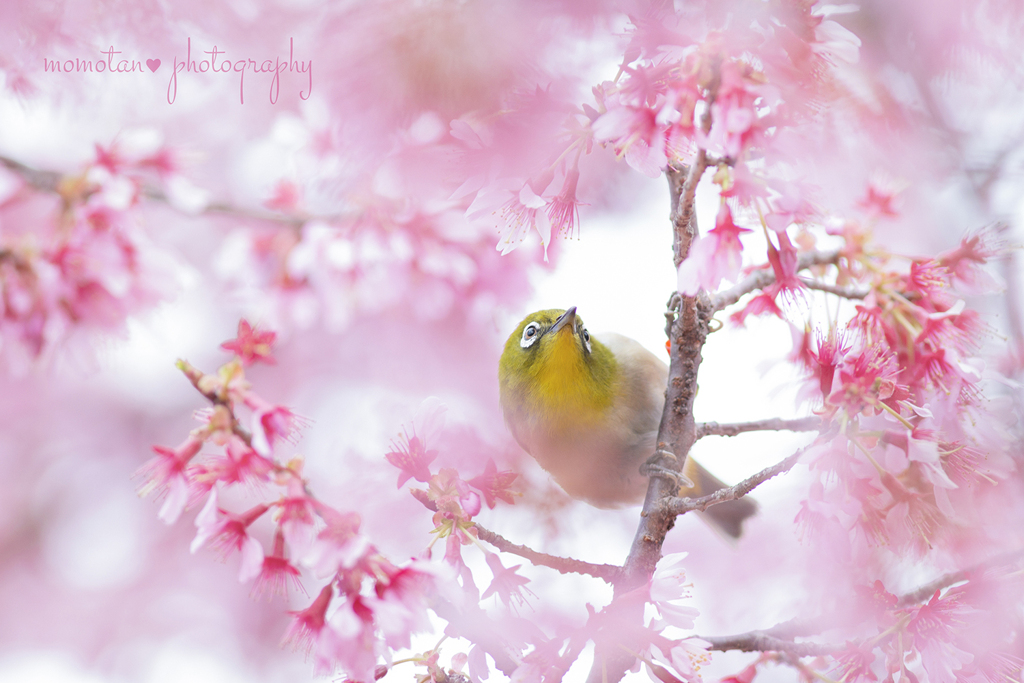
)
(908, 452)
(939, 637)
(73, 255)
(368, 606)
(392, 245)
(678, 99)
(455, 502)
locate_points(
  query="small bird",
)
(588, 409)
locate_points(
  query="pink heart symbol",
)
(153, 64)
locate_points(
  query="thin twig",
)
(565, 565)
(759, 641)
(678, 506)
(683, 188)
(802, 424)
(798, 627)
(763, 277)
(49, 181)
(683, 183)
(45, 181)
(928, 590)
(845, 292)
(194, 376)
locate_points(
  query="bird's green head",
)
(552, 367)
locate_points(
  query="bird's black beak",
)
(566, 319)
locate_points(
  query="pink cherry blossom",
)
(277, 573)
(338, 546)
(401, 602)
(166, 474)
(304, 630)
(240, 464)
(737, 122)
(879, 201)
(636, 134)
(296, 520)
(827, 357)
(286, 197)
(934, 627)
(495, 485)
(713, 257)
(789, 207)
(226, 532)
(272, 424)
(563, 209)
(506, 583)
(251, 346)
(412, 458)
(967, 261)
(348, 641)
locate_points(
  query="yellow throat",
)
(552, 371)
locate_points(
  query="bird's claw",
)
(656, 471)
(651, 469)
(674, 303)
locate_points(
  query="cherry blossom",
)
(714, 256)
(304, 631)
(167, 475)
(507, 584)
(251, 346)
(495, 485)
(226, 532)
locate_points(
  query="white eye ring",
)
(530, 335)
(586, 339)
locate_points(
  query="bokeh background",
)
(325, 220)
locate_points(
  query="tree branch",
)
(194, 376)
(759, 641)
(682, 185)
(677, 506)
(677, 430)
(802, 424)
(845, 292)
(44, 181)
(928, 590)
(49, 181)
(606, 572)
(798, 627)
(760, 279)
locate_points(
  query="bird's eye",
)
(530, 335)
(586, 339)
